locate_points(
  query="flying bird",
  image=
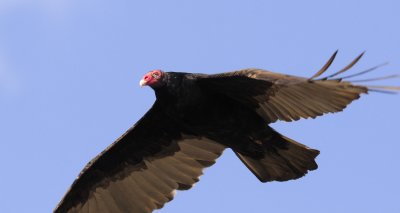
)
(194, 119)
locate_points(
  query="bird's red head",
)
(152, 78)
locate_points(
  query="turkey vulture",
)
(194, 118)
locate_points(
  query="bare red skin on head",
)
(152, 78)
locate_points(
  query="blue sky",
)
(69, 73)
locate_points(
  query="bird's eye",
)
(155, 75)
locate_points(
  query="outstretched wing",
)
(277, 96)
(140, 171)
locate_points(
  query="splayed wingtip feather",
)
(325, 67)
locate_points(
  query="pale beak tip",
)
(142, 83)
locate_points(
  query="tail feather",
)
(284, 160)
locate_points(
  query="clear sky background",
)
(69, 74)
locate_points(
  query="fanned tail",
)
(283, 158)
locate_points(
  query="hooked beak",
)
(142, 83)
